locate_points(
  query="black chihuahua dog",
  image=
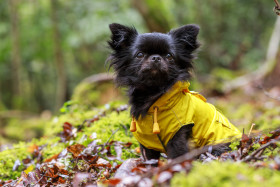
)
(149, 65)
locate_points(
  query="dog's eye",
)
(169, 57)
(139, 55)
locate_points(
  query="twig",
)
(276, 2)
(188, 156)
(260, 158)
(259, 153)
(251, 156)
(20, 179)
(113, 133)
(252, 126)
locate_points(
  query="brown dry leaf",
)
(33, 148)
(26, 161)
(127, 145)
(76, 149)
(67, 132)
(63, 172)
(113, 182)
(265, 140)
(54, 157)
(51, 172)
(61, 180)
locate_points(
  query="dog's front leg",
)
(149, 154)
(178, 145)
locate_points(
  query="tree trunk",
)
(273, 54)
(58, 58)
(235, 63)
(272, 79)
(15, 58)
(156, 17)
(270, 67)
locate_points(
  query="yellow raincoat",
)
(179, 107)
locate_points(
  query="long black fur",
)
(144, 88)
(150, 64)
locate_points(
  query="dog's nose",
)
(155, 58)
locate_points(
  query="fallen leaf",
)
(76, 149)
(29, 169)
(32, 148)
(113, 182)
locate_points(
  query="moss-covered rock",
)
(23, 129)
(96, 94)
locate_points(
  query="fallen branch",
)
(253, 154)
(98, 78)
(268, 94)
(188, 156)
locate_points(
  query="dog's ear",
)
(122, 36)
(186, 36)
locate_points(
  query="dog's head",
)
(152, 59)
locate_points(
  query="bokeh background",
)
(53, 51)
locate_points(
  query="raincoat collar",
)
(168, 100)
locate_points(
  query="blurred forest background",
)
(48, 47)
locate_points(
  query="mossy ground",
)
(113, 125)
(110, 122)
(226, 174)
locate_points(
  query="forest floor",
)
(83, 147)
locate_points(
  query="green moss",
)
(224, 74)
(24, 130)
(226, 174)
(94, 94)
(8, 158)
(112, 126)
(256, 146)
(117, 123)
(269, 119)
(244, 111)
(52, 146)
(74, 117)
(20, 151)
(83, 93)
(234, 145)
(243, 115)
(115, 126)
